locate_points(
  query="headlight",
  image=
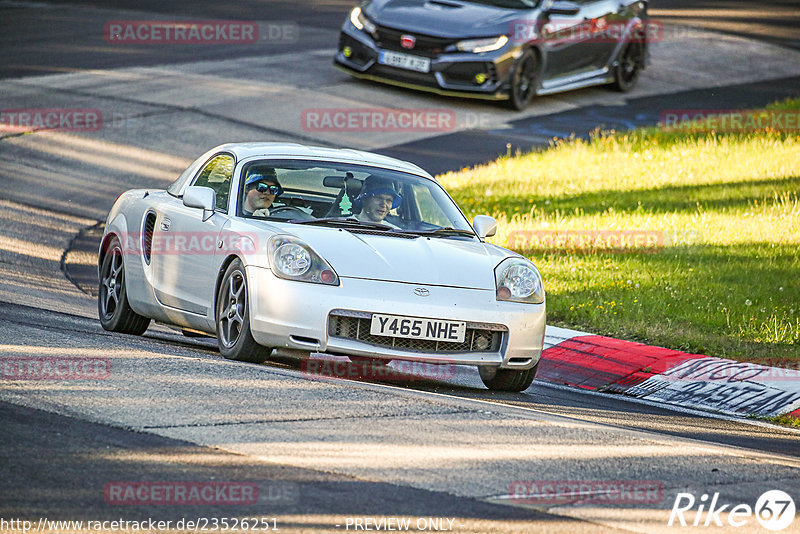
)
(518, 281)
(292, 259)
(360, 21)
(477, 46)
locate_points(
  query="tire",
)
(630, 64)
(524, 76)
(113, 308)
(507, 379)
(234, 338)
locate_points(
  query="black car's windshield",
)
(507, 4)
(349, 196)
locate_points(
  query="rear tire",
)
(234, 338)
(113, 308)
(507, 379)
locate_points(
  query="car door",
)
(569, 41)
(184, 245)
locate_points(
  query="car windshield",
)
(507, 4)
(348, 196)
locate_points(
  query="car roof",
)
(244, 151)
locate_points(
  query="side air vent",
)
(147, 235)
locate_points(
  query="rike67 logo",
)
(774, 510)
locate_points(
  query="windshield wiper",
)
(447, 231)
(343, 221)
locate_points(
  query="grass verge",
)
(716, 267)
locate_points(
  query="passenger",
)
(376, 200)
(260, 191)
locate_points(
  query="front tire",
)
(524, 76)
(631, 63)
(234, 338)
(507, 379)
(113, 308)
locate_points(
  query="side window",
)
(217, 175)
(429, 209)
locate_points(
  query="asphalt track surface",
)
(54, 462)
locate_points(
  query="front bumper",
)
(297, 315)
(452, 74)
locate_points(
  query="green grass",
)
(726, 281)
(785, 420)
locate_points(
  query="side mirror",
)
(203, 198)
(484, 226)
(563, 7)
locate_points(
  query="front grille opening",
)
(467, 73)
(357, 329)
(147, 236)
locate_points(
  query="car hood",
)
(433, 261)
(442, 18)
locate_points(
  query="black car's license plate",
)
(404, 61)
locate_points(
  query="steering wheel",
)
(279, 209)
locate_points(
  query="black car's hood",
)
(443, 18)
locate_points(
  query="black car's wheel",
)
(234, 337)
(523, 80)
(507, 379)
(631, 63)
(115, 313)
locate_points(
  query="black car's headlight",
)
(360, 21)
(477, 46)
(518, 281)
(293, 259)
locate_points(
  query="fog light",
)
(480, 78)
(482, 343)
(347, 51)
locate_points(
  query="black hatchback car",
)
(497, 49)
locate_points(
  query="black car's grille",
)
(355, 326)
(405, 76)
(424, 45)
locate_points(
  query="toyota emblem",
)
(408, 41)
(421, 292)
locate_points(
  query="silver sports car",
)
(302, 249)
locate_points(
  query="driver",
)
(260, 191)
(377, 199)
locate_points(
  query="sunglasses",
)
(272, 189)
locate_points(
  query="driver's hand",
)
(263, 212)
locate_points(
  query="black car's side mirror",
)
(563, 7)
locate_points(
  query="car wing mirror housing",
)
(563, 7)
(203, 198)
(484, 226)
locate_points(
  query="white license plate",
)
(418, 328)
(404, 61)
